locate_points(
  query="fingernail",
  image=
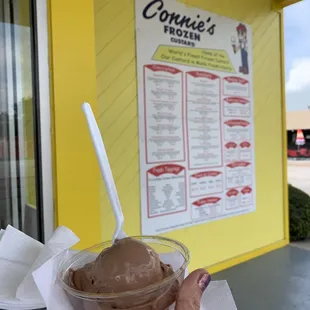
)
(204, 281)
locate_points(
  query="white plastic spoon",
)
(105, 171)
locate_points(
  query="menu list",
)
(164, 128)
(196, 128)
(209, 134)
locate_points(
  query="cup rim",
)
(63, 270)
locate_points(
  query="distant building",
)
(298, 120)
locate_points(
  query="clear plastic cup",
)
(159, 295)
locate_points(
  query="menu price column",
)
(236, 86)
(238, 136)
(207, 208)
(164, 114)
(203, 120)
(246, 150)
(231, 152)
(237, 130)
(205, 183)
(236, 106)
(238, 174)
(232, 199)
(246, 196)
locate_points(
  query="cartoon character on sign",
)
(241, 45)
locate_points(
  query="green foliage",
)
(299, 203)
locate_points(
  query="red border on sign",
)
(239, 186)
(245, 116)
(238, 140)
(169, 213)
(250, 150)
(238, 197)
(207, 218)
(206, 194)
(226, 151)
(145, 117)
(187, 126)
(248, 82)
(252, 195)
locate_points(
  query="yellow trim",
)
(284, 133)
(73, 67)
(280, 4)
(246, 257)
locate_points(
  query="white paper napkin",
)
(46, 279)
(62, 239)
(17, 254)
(20, 255)
(19, 305)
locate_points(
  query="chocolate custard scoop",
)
(127, 265)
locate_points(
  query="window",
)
(21, 191)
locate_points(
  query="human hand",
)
(192, 289)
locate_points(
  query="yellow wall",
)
(73, 80)
(117, 114)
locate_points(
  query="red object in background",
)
(300, 139)
(303, 152)
(241, 27)
(292, 153)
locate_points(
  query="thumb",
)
(192, 289)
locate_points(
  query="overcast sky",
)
(297, 49)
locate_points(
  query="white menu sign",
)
(196, 125)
